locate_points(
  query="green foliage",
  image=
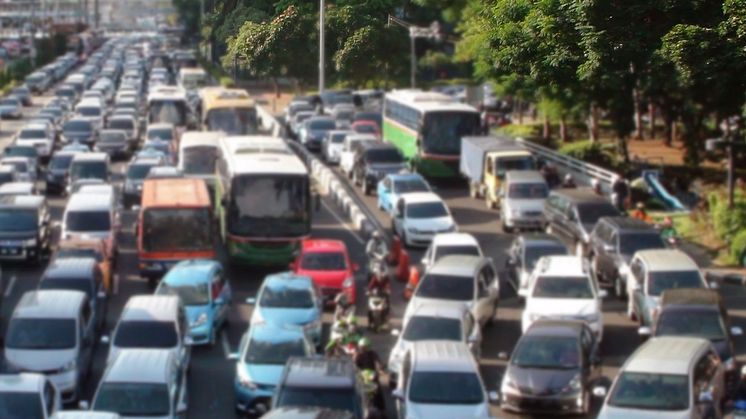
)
(727, 222)
(516, 130)
(587, 151)
(738, 248)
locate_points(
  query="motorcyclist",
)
(668, 231)
(380, 281)
(596, 186)
(640, 212)
(569, 182)
(366, 359)
(619, 193)
(342, 306)
(376, 247)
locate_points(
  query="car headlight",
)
(592, 318)
(509, 386)
(348, 282)
(69, 366)
(243, 377)
(29, 242)
(202, 319)
(413, 230)
(730, 364)
(573, 386)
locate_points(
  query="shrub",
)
(588, 151)
(515, 130)
(738, 248)
(728, 222)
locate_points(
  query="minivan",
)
(78, 274)
(522, 197)
(25, 230)
(28, 396)
(88, 166)
(52, 332)
(92, 215)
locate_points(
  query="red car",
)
(366, 127)
(328, 263)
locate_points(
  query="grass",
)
(696, 228)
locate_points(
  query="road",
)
(211, 379)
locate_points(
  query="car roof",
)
(524, 176)
(91, 156)
(139, 366)
(34, 125)
(666, 260)
(193, 271)
(274, 333)
(556, 328)
(562, 265)
(324, 245)
(88, 202)
(456, 265)
(691, 297)
(307, 412)
(320, 372)
(16, 187)
(539, 240)
(439, 310)
(454, 239)
(666, 355)
(22, 201)
(77, 267)
(60, 304)
(160, 125)
(441, 355)
(151, 308)
(398, 177)
(419, 197)
(83, 414)
(24, 382)
(287, 280)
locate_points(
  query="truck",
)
(484, 162)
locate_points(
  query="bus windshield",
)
(270, 206)
(199, 160)
(172, 229)
(443, 131)
(233, 121)
(168, 111)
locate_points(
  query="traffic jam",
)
(166, 255)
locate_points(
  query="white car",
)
(445, 244)
(23, 166)
(419, 216)
(347, 155)
(331, 147)
(38, 135)
(561, 287)
(298, 119)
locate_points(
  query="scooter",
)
(378, 307)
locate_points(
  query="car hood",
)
(265, 374)
(524, 205)
(40, 360)
(280, 316)
(561, 307)
(418, 302)
(193, 312)
(610, 412)
(540, 382)
(17, 235)
(434, 411)
(322, 279)
(430, 224)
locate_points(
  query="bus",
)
(192, 78)
(175, 223)
(229, 110)
(198, 155)
(168, 104)
(265, 205)
(427, 128)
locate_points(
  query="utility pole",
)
(432, 32)
(322, 52)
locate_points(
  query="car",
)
(668, 376)
(28, 396)
(143, 383)
(67, 92)
(321, 382)
(369, 116)
(331, 145)
(394, 185)
(93, 216)
(23, 150)
(93, 110)
(91, 248)
(7, 175)
(613, 242)
(163, 147)
(445, 244)
(79, 130)
(86, 166)
(52, 332)
(135, 174)
(552, 369)
(458, 281)
(114, 143)
(260, 360)
(40, 136)
(651, 272)
(343, 115)
(328, 264)
(698, 313)
(440, 379)
(23, 93)
(563, 287)
(366, 127)
(522, 197)
(161, 131)
(419, 216)
(573, 213)
(433, 322)
(351, 144)
(524, 252)
(206, 294)
(37, 82)
(127, 123)
(313, 130)
(11, 108)
(297, 105)
(298, 119)
(18, 189)
(372, 162)
(25, 228)
(288, 299)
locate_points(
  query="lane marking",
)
(344, 223)
(226, 346)
(9, 288)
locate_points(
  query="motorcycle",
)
(378, 304)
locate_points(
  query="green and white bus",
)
(265, 205)
(427, 128)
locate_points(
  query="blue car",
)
(206, 294)
(393, 186)
(260, 361)
(289, 299)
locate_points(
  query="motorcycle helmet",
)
(363, 343)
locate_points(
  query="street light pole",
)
(433, 32)
(412, 59)
(322, 82)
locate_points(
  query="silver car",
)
(11, 108)
(522, 200)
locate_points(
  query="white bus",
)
(198, 155)
(168, 104)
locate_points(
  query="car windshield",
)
(338, 138)
(442, 131)
(177, 229)
(647, 391)
(427, 210)
(72, 252)
(21, 405)
(432, 328)
(384, 156)
(434, 387)
(532, 254)
(138, 171)
(163, 134)
(32, 134)
(273, 353)
(629, 244)
(322, 124)
(233, 121)
(410, 185)
(190, 294)
(574, 287)
(706, 324)
(89, 170)
(285, 297)
(366, 129)
(123, 124)
(71, 284)
(659, 281)
(551, 352)
(133, 399)
(88, 111)
(334, 398)
(528, 191)
(168, 111)
(590, 213)
(13, 220)
(446, 287)
(8, 102)
(323, 261)
(77, 126)
(88, 221)
(447, 250)
(145, 334)
(41, 333)
(199, 160)
(113, 137)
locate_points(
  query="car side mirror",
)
(188, 340)
(736, 331)
(395, 332)
(644, 331)
(233, 356)
(503, 355)
(105, 339)
(397, 394)
(84, 405)
(494, 396)
(603, 293)
(599, 391)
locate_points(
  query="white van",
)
(198, 153)
(92, 215)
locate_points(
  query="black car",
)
(524, 252)
(373, 161)
(57, 170)
(613, 242)
(552, 369)
(698, 313)
(25, 231)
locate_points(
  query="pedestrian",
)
(596, 186)
(619, 193)
(641, 213)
